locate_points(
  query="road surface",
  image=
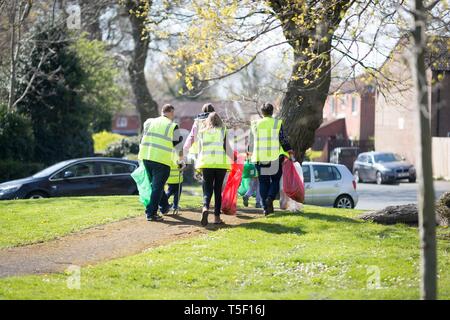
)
(375, 197)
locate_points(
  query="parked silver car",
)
(382, 167)
(329, 184)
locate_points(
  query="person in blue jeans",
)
(268, 147)
(253, 189)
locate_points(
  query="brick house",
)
(126, 122)
(354, 101)
(395, 116)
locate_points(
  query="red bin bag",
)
(293, 185)
(230, 192)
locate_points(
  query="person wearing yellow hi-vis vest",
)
(191, 144)
(157, 152)
(214, 159)
(268, 146)
(175, 183)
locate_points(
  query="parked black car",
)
(78, 177)
(382, 167)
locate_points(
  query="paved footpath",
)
(106, 242)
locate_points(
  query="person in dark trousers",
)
(214, 159)
(175, 183)
(156, 150)
(268, 147)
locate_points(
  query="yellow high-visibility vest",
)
(211, 152)
(175, 177)
(157, 141)
(266, 145)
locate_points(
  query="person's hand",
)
(292, 155)
(181, 164)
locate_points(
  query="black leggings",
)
(212, 183)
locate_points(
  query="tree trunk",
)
(13, 44)
(302, 106)
(302, 109)
(427, 220)
(145, 104)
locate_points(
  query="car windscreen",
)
(386, 157)
(48, 171)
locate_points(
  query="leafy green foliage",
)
(16, 169)
(60, 117)
(16, 136)
(99, 89)
(124, 147)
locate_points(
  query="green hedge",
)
(124, 147)
(16, 136)
(12, 170)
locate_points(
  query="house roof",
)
(331, 122)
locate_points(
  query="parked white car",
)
(328, 184)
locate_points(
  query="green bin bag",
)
(245, 184)
(144, 186)
(249, 170)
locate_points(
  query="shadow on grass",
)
(274, 228)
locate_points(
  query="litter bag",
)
(292, 182)
(144, 186)
(249, 170)
(230, 193)
(245, 185)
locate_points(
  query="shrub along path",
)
(105, 242)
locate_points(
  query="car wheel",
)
(357, 177)
(344, 202)
(37, 195)
(379, 178)
(412, 180)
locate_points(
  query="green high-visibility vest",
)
(211, 152)
(266, 146)
(157, 141)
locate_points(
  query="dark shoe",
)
(245, 199)
(165, 210)
(155, 218)
(269, 204)
(258, 206)
(204, 221)
(266, 213)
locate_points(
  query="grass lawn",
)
(322, 253)
(30, 221)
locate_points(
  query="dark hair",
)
(208, 108)
(167, 108)
(267, 109)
